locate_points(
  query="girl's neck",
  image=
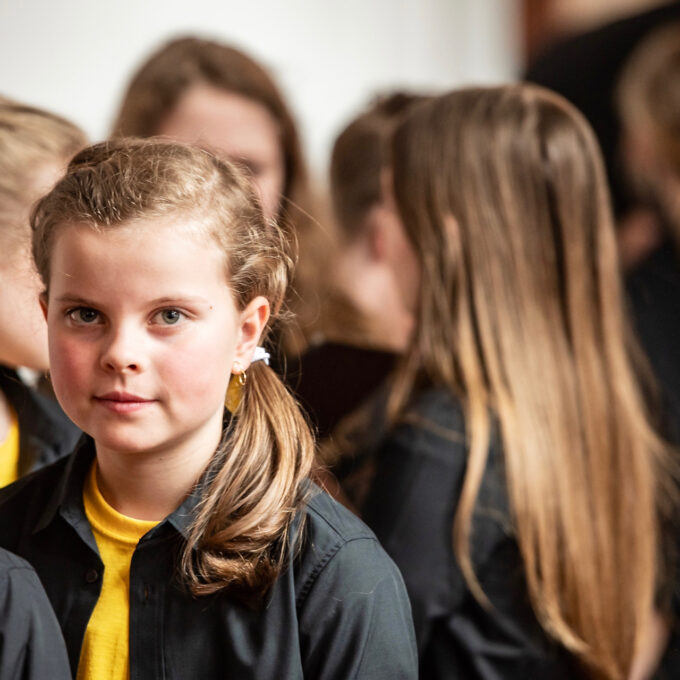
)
(151, 485)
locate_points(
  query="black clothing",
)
(411, 507)
(654, 295)
(31, 644)
(45, 433)
(333, 379)
(584, 68)
(339, 610)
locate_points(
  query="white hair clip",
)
(260, 354)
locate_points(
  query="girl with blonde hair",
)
(35, 146)
(522, 488)
(181, 540)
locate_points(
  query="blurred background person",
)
(35, 147)
(649, 106)
(341, 380)
(212, 95)
(528, 532)
(584, 66)
(366, 325)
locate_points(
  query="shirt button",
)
(91, 575)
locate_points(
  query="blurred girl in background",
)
(34, 149)
(649, 107)
(523, 487)
(366, 324)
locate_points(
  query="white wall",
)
(74, 56)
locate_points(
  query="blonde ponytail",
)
(240, 536)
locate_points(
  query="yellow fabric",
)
(105, 652)
(9, 454)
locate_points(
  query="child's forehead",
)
(136, 258)
(172, 227)
(175, 241)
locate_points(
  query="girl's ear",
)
(252, 321)
(42, 298)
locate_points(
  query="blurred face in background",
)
(235, 128)
(398, 249)
(23, 332)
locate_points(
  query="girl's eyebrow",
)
(170, 299)
(166, 299)
(76, 299)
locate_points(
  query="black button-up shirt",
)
(420, 469)
(32, 645)
(339, 610)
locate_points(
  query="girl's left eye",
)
(169, 317)
(83, 316)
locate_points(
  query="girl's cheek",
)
(69, 359)
(198, 370)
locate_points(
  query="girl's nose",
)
(122, 352)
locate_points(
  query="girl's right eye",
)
(83, 315)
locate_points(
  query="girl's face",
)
(144, 333)
(236, 128)
(23, 334)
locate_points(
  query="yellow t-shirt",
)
(106, 650)
(9, 453)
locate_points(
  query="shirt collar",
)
(182, 518)
(67, 497)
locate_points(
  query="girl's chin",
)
(124, 444)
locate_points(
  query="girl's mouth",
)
(123, 402)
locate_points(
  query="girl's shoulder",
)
(430, 427)
(354, 615)
(335, 540)
(433, 427)
(29, 504)
(332, 520)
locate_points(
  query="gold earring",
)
(235, 388)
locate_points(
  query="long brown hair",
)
(256, 479)
(503, 195)
(155, 90)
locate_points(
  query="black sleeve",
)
(411, 507)
(31, 643)
(355, 620)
